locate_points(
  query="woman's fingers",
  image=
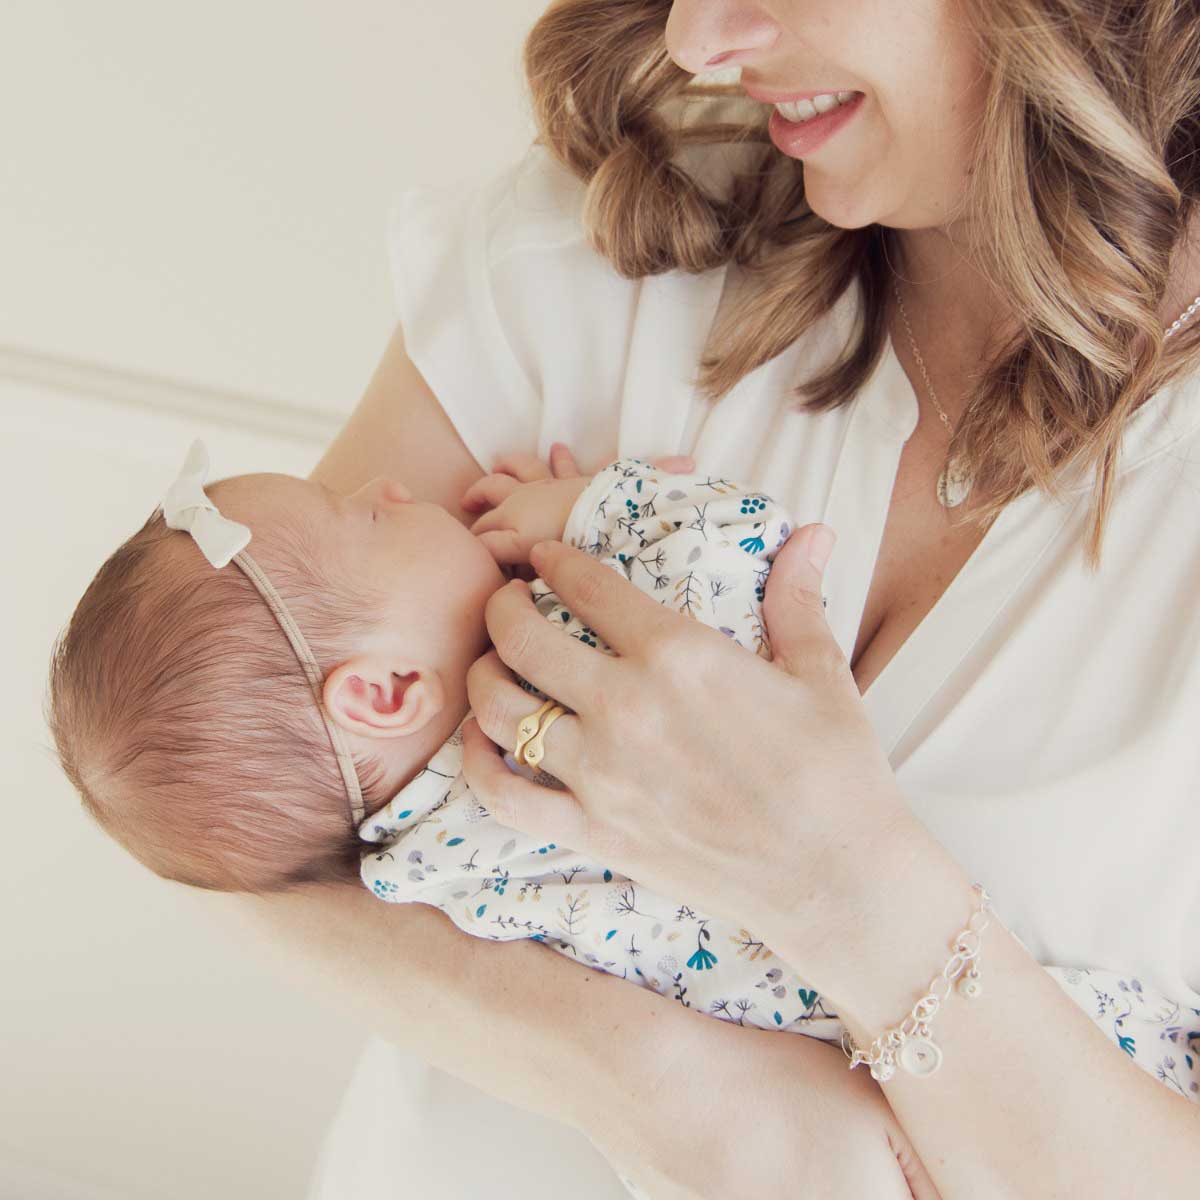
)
(625, 617)
(525, 467)
(564, 466)
(676, 464)
(562, 462)
(553, 661)
(499, 705)
(490, 490)
(794, 609)
(548, 813)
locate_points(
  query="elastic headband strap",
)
(188, 507)
(287, 623)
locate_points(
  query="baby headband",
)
(222, 541)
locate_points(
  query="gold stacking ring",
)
(531, 733)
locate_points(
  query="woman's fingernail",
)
(820, 546)
(537, 555)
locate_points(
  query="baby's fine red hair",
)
(182, 716)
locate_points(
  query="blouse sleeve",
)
(518, 325)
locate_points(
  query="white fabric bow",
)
(186, 507)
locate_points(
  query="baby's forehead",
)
(279, 510)
(270, 497)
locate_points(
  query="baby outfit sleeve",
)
(1159, 1035)
(698, 543)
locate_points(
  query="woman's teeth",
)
(799, 111)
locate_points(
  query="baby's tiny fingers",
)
(491, 519)
(490, 490)
(505, 546)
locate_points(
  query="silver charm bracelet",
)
(910, 1041)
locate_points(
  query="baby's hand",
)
(522, 514)
(530, 500)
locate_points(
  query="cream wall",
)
(192, 206)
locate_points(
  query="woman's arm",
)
(688, 1105)
(400, 429)
(514, 1018)
(1031, 1100)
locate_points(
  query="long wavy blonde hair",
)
(1084, 176)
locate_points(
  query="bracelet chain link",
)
(910, 1042)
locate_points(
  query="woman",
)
(966, 271)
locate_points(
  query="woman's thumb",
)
(793, 606)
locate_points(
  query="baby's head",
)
(183, 715)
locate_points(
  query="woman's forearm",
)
(515, 1019)
(1031, 1099)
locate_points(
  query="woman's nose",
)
(702, 35)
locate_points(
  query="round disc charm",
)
(920, 1056)
(953, 486)
(970, 987)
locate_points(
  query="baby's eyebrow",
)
(332, 499)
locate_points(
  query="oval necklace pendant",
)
(953, 486)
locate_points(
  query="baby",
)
(222, 724)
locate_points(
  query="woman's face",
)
(902, 158)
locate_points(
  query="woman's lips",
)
(799, 139)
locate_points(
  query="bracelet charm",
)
(920, 1055)
(911, 1042)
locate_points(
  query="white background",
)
(192, 210)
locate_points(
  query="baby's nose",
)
(395, 492)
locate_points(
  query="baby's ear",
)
(374, 696)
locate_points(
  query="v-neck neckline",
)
(879, 420)
(883, 418)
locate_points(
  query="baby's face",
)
(434, 573)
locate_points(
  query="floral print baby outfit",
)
(703, 546)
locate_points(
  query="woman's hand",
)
(733, 1111)
(756, 790)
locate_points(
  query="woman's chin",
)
(838, 201)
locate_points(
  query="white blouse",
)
(1041, 720)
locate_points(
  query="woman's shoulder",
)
(537, 204)
(532, 205)
(523, 330)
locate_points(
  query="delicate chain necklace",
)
(954, 483)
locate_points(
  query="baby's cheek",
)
(465, 563)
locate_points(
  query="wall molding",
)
(162, 394)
